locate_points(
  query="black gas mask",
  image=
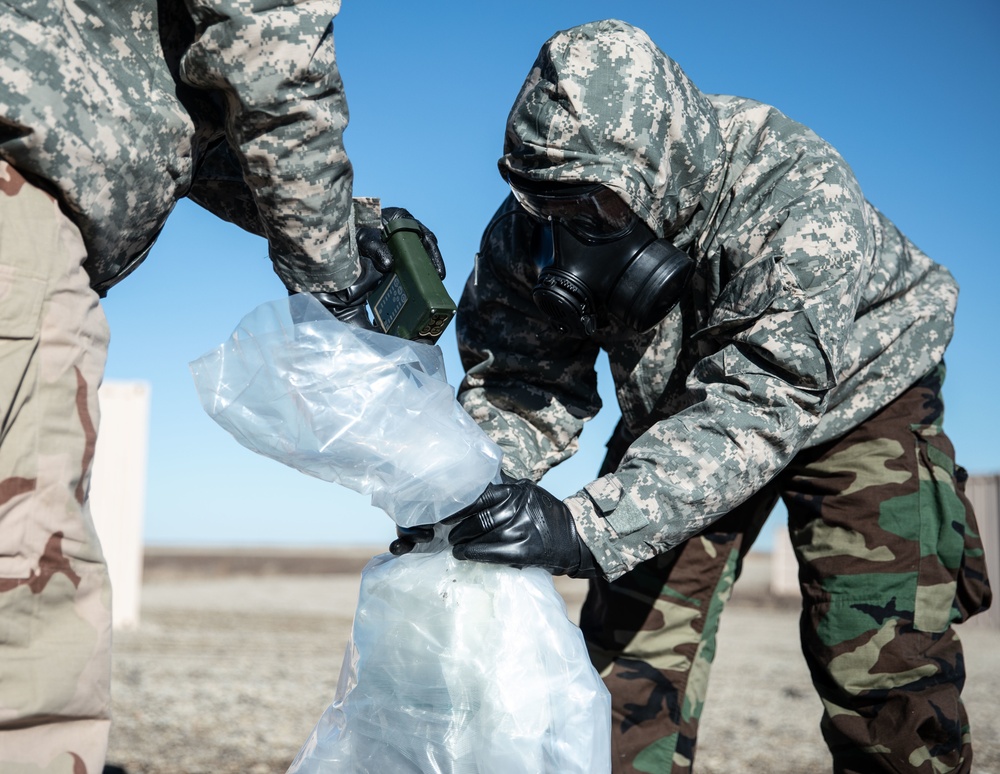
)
(606, 260)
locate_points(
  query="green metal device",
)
(411, 302)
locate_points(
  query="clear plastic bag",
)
(453, 667)
(461, 668)
(356, 407)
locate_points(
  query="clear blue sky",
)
(906, 91)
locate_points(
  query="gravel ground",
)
(228, 674)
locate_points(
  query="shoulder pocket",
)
(764, 312)
(747, 296)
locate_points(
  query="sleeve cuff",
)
(603, 518)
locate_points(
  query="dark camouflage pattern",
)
(652, 636)
(117, 108)
(889, 558)
(808, 312)
(55, 595)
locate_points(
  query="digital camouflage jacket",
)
(809, 309)
(121, 108)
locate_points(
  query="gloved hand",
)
(349, 305)
(520, 524)
(408, 538)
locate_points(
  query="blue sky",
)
(907, 92)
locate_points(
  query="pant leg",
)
(888, 556)
(55, 611)
(651, 636)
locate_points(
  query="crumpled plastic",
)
(461, 667)
(453, 667)
(347, 405)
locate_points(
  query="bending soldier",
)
(771, 335)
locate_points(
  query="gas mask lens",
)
(592, 212)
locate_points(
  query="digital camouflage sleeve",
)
(808, 312)
(114, 112)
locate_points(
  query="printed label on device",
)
(388, 305)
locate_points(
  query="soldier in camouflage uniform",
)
(110, 113)
(800, 356)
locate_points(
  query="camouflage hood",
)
(603, 104)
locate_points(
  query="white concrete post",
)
(118, 492)
(784, 567)
(984, 494)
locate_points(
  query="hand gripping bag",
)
(453, 667)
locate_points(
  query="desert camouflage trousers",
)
(55, 611)
(889, 558)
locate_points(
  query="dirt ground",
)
(237, 656)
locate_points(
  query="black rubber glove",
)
(520, 524)
(350, 305)
(407, 538)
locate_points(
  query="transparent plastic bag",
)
(453, 667)
(356, 407)
(461, 668)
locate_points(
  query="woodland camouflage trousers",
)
(55, 598)
(889, 558)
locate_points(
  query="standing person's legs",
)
(889, 558)
(55, 598)
(651, 635)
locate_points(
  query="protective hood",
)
(602, 104)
